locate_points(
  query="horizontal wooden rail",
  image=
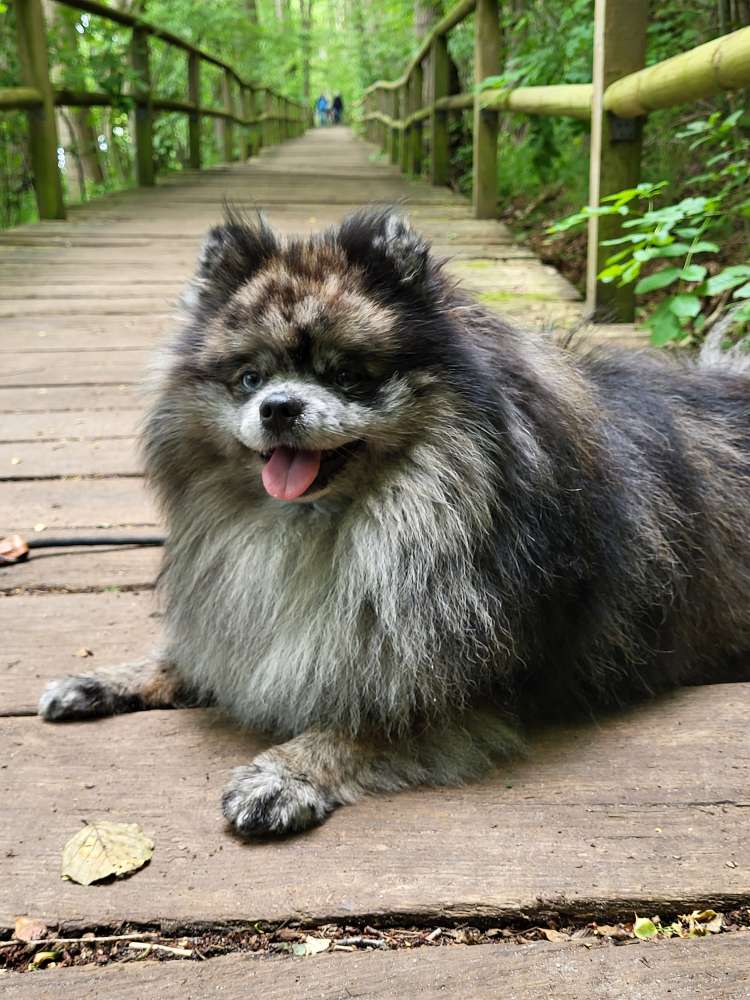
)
(571, 100)
(264, 115)
(19, 98)
(722, 64)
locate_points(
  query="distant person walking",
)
(321, 110)
(338, 109)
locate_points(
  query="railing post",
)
(403, 101)
(257, 112)
(194, 118)
(486, 63)
(245, 144)
(393, 132)
(415, 130)
(619, 49)
(227, 131)
(32, 52)
(252, 130)
(144, 111)
(267, 122)
(440, 67)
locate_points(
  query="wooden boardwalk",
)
(649, 812)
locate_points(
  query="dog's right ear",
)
(229, 256)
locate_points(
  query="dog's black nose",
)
(279, 411)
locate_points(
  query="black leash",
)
(15, 549)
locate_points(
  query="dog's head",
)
(307, 362)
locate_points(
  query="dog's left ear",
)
(229, 256)
(386, 247)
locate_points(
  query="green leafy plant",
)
(671, 241)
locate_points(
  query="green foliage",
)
(670, 241)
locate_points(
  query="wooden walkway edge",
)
(648, 811)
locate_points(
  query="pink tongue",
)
(287, 473)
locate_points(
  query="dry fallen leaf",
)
(29, 929)
(103, 849)
(311, 946)
(553, 935)
(85, 651)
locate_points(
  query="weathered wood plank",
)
(114, 626)
(681, 970)
(83, 333)
(75, 368)
(39, 399)
(118, 457)
(11, 308)
(75, 424)
(75, 503)
(83, 568)
(647, 811)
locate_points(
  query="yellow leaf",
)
(103, 849)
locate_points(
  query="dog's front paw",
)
(265, 797)
(75, 698)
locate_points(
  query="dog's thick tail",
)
(714, 355)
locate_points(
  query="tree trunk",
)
(73, 165)
(305, 9)
(252, 11)
(366, 74)
(426, 14)
(77, 120)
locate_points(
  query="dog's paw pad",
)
(74, 698)
(265, 798)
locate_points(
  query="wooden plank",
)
(75, 503)
(537, 280)
(81, 569)
(77, 424)
(35, 399)
(13, 308)
(646, 811)
(44, 459)
(713, 969)
(75, 368)
(114, 626)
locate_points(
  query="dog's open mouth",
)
(290, 474)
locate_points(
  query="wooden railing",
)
(263, 116)
(616, 103)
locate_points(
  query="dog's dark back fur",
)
(578, 536)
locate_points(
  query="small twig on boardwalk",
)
(148, 946)
(365, 942)
(105, 939)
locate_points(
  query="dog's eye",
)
(344, 378)
(250, 381)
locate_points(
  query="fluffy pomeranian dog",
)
(397, 528)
